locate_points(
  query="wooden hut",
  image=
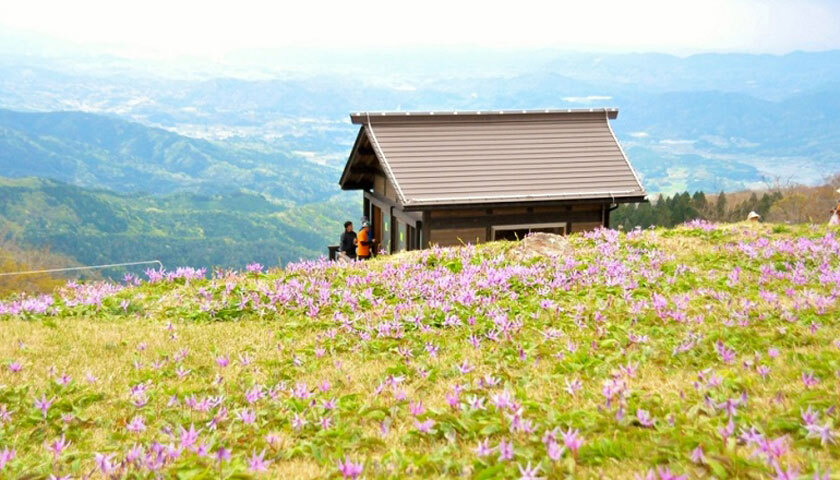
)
(448, 178)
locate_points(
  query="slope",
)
(226, 229)
(704, 351)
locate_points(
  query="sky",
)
(208, 28)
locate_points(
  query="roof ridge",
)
(363, 117)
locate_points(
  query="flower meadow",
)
(706, 350)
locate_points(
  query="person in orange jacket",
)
(364, 242)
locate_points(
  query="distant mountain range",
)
(102, 189)
(710, 122)
(105, 152)
(278, 133)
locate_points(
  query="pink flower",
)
(554, 451)
(505, 450)
(810, 380)
(6, 456)
(189, 437)
(57, 446)
(136, 425)
(643, 416)
(572, 440)
(222, 361)
(222, 455)
(529, 473)
(483, 449)
(349, 469)
(104, 464)
(257, 463)
(424, 426)
(697, 455)
(247, 416)
(43, 404)
(5, 414)
(416, 408)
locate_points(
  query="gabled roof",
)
(455, 158)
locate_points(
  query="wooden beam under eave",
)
(480, 221)
(366, 170)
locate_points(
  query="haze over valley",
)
(272, 126)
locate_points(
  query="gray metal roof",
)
(435, 158)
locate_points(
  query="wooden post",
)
(365, 207)
(427, 230)
(394, 233)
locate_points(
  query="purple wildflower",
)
(136, 425)
(6, 456)
(529, 473)
(257, 463)
(572, 440)
(483, 449)
(57, 446)
(424, 426)
(349, 469)
(43, 404)
(505, 450)
(104, 464)
(643, 416)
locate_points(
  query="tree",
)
(720, 208)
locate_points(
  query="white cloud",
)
(211, 28)
(639, 134)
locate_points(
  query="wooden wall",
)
(449, 237)
(473, 225)
(584, 226)
(383, 187)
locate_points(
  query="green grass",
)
(630, 300)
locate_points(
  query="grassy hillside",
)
(105, 152)
(15, 257)
(707, 350)
(229, 230)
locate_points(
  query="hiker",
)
(753, 217)
(835, 215)
(347, 244)
(364, 242)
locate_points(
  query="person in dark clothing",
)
(348, 241)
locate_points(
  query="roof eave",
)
(636, 197)
(346, 172)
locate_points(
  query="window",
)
(518, 232)
(402, 239)
(385, 236)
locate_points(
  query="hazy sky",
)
(209, 28)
